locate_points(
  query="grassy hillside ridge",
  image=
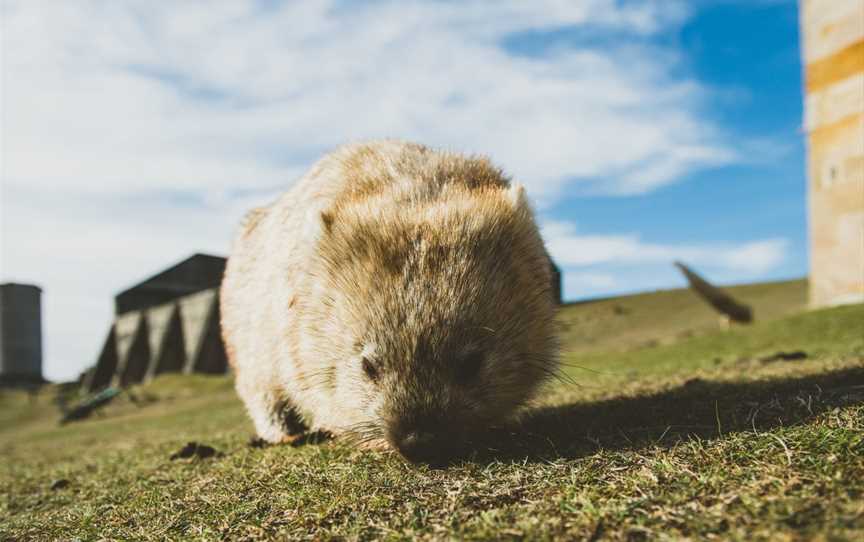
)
(640, 320)
(695, 435)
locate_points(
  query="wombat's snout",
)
(427, 442)
(419, 446)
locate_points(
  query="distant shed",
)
(167, 323)
(556, 281)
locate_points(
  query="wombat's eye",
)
(370, 369)
(468, 367)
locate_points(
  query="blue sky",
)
(644, 131)
(748, 53)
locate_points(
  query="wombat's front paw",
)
(376, 445)
(257, 442)
(309, 437)
(294, 440)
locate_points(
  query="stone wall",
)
(180, 336)
(833, 51)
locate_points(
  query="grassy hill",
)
(666, 427)
(636, 321)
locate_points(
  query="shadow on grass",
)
(698, 408)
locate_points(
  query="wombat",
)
(395, 294)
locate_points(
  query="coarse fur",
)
(393, 289)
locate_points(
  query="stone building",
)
(167, 323)
(833, 50)
(20, 334)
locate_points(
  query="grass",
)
(676, 430)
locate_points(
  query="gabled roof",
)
(195, 273)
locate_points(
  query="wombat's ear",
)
(317, 223)
(516, 196)
(327, 221)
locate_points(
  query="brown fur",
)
(395, 292)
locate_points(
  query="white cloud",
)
(131, 96)
(754, 257)
(134, 133)
(572, 249)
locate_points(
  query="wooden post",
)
(731, 310)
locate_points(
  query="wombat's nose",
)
(422, 447)
(417, 446)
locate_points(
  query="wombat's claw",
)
(296, 439)
(376, 445)
(291, 439)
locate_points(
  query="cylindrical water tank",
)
(20, 332)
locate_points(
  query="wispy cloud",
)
(131, 96)
(571, 249)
